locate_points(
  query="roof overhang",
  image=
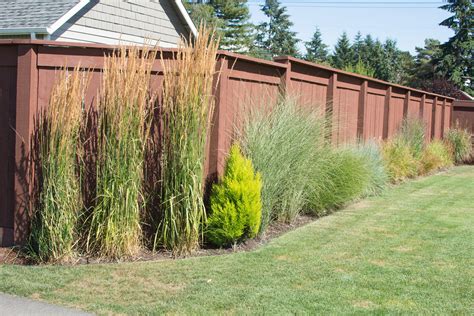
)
(24, 30)
(66, 17)
(185, 16)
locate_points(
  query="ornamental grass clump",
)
(53, 233)
(187, 108)
(236, 205)
(287, 146)
(436, 155)
(371, 154)
(412, 133)
(399, 160)
(460, 142)
(123, 121)
(346, 177)
(403, 153)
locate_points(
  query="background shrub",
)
(53, 232)
(460, 142)
(436, 155)
(283, 146)
(236, 206)
(399, 159)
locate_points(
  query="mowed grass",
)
(407, 251)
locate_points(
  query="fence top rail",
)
(277, 63)
(252, 59)
(464, 104)
(339, 71)
(111, 47)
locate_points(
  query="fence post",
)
(286, 78)
(330, 98)
(451, 109)
(433, 117)
(26, 107)
(422, 105)
(406, 104)
(443, 118)
(386, 112)
(219, 132)
(361, 109)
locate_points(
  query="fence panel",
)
(438, 119)
(374, 116)
(358, 107)
(414, 107)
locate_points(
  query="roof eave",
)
(24, 30)
(67, 16)
(184, 14)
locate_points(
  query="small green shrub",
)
(236, 205)
(460, 142)
(436, 155)
(287, 146)
(346, 177)
(399, 159)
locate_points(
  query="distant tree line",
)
(438, 67)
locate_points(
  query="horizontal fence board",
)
(255, 77)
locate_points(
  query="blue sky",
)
(408, 22)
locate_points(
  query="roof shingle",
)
(32, 13)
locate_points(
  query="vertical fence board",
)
(361, 110)
(386, 112)
(8, 73)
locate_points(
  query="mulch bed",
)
(15, 256)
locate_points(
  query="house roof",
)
(46, 16)
(466, 96)
(35, 16)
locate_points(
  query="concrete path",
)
(14, 305)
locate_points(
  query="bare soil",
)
(16, 256)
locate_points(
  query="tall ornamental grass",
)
(123, 120)
(460, 142)
(403, 153)
(287, 146)
(187, 110)
(412, 133)
(399, 159)
(53, 235)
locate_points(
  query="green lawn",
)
(408, 251)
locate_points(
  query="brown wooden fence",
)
(360, 107)
(463, 116)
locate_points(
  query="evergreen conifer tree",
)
(316, 50)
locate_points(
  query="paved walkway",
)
(14, 305)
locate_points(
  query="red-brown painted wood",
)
(356, 106)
